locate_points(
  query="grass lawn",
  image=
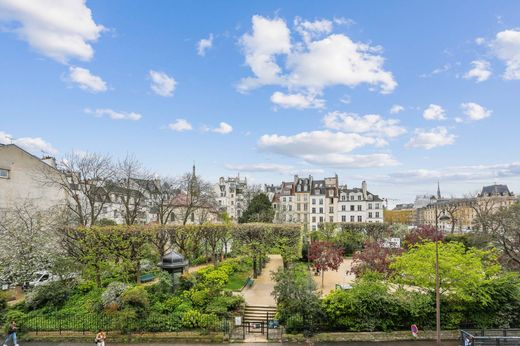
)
(237, 280)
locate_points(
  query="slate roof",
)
(495, 190)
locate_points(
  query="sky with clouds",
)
(400, 93)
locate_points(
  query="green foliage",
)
(197, 319)
(461, 271)
(368, 306)
(52, 295)
(258, 210)
(350, 240)
(136, 298)
(297, 299)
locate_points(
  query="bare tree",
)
(132, 186)
(84, 178)
(162, 195)
(195, 195)
(485, 210)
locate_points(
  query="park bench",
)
(249, 282)
(146, 278)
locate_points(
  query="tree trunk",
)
(322, 277)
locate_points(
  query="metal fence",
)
(485, 337)
(91, 323)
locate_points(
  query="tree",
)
(161, 198)
(462, 271)
(325, 256)
(213, 235)
(258, 210)
(421, 234)
(194, 196)
(132, 187)
(297, 300)
(28, 241)
(85, 179)
(253, 239)
(507, 233)
(374, 257)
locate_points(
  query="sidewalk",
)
(260, 293)
(336, 277)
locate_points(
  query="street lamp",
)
(437, 278)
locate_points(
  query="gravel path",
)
(260, 293)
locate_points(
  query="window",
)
(331, 193)
(321, 219)
(343, 218)
(305, 207)
(359, 218)
(232, 202)
(290, 207)
(342, 197)
(298, 206)
(313, 227)
(343, 207)
(314, 201)
(314, 219)
(359, 197)
(172, 217)
(351, 197)
(352, 208)
(321, 201)
(290, 199)
(377, 214)
(331, 218)
(314, 210)
(284, 199)
(377, 205)
(321, 210)
(369, 205)
(359, 207)
(352, 218)
(331, 210)
(370, 215)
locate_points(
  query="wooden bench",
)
(249, 282)
(146, 277)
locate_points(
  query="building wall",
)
(24, 183)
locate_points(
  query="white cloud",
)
(321, 59)
(481, 71)
(351, 161)
(480, 41)
(115, 115)
(371, 124)
(162, 84)
(204, 44)
(314, 143)
(34, 145)
(180, 125)
(434, 112)
(59, 29)
(259, 167)
(474, 111)
(506, 47)
(86, 80)
(396, 109)
(429, 139)
(298, 101)
(483, 173)
(269, 38)
(223, 128)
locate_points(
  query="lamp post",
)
(437, 277)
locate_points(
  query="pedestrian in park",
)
(11, 334)
(414, 330)
(100, 338)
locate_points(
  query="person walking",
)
(100, 338)
(11, 334)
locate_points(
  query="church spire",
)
(438, 190)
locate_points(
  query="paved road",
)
(260, 293)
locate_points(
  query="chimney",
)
(364, 188)
(51, 161)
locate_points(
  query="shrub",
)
(52, 295)
(111, 297)
(136, 298)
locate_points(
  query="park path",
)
(336, 277)
(260, 292)
(193, 269)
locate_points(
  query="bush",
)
(111, 297)
(136, 298)
(52, 295)
(197, 319)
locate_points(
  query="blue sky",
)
(399, 93)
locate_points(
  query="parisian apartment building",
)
(318, 201)
(231, 196)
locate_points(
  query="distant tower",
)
(193, 170)
(438, 190)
